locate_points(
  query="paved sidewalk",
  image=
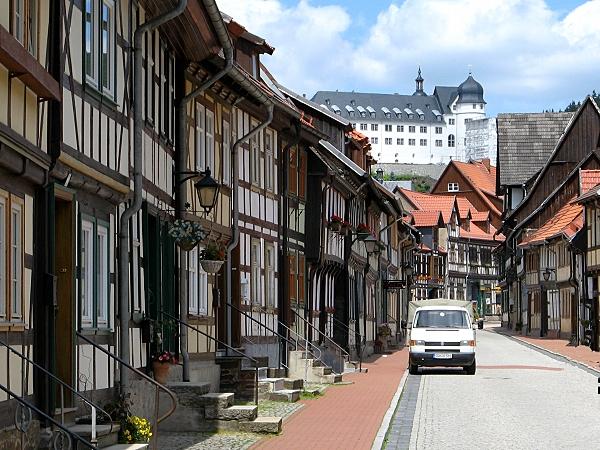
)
(347, 416)
(581, 353)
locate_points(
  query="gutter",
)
(235, 235)
(133, 208)
(180, 167)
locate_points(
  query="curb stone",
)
(387, 418)
(552, 354)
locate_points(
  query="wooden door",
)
(64, 239)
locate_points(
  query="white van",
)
(442, 336)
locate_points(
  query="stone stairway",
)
(303, 365)
(280, 389)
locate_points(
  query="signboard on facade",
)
(394, 284)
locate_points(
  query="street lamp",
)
(371, 244)
(206, 187)
(379, 174)
(547, 273)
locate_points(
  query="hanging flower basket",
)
(186, 233)
(211, 266)
(212, 257)
(363, 230)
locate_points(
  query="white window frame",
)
(87, 267)
(451, 140)
(109, 87)
(200, 137)
(192, 278)
(94, 31)
(453, 187)
(16, 260)
(270, 274)
(255, 272)
(226, 152)
(91, 48)
(210, 140)
(255, 157)
(103, 286)
(269, 160)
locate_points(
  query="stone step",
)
(105, 435)
(270, 425)
(263, 372)
(187, 392)
(285, 395)
(236, 412)
(331, 378)
(321, 371)
(127, 447)
(274, 372)
(275, 384)
(293, 383)
(220, 400)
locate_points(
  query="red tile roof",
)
(479, 174)
(566, 223)
(588, 180)
(425, 218)
(476, 232)
(431, 202)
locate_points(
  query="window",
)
(438, 130)
(24, 25)
(210, 140)
(451, 121)
(300, 276)
(452, 187)
(167, 76)
(468, 120)
(269, 163)
(100, 44)
(423, 129)
(200, 137)
(255, 158)
(438, 142)
(474, 106)
(422, 116)
(411, 129)
(292, 261)
(400, 128)
(255, 296)
(363, 127)
(302, 174)
(149, 76)
(423, 142)
(411, 141)
(388, 128)
(481, 106)
(374, 127)
(270, 274)
(400, 141)
(451, 142)
(197, 285)
(226, 152)
(388, 141)
(353, 125)
(375, 140)
(94, 278)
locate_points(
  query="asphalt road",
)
(518, 399)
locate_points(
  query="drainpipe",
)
(181, 166)
(134, 207)
(235, 237)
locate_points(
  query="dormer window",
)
(452, 187)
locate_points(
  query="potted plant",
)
(384, 330)
(363, 230)
(335, 223)
(161, 365)
(186, 233)
(137, 430)
(212, 257)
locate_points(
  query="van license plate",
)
(442, 356)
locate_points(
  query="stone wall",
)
(10, 438)
(237, 380)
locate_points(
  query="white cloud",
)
(524, 54)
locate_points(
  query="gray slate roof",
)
(347, 101)
(525, 142)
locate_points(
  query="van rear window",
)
(433, 318)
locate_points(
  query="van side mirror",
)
(474, 325)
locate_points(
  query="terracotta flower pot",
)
(211, 266)
(161, 371)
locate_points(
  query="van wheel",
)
(471, 369)
(413, 369)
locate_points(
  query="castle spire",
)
(419, 83)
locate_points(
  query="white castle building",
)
(418, 128)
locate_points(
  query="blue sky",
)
(529, 55)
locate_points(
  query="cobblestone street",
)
(442, 409)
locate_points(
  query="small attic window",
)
(327, 101)
(353, 102)
(452, 187)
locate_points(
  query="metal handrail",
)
(63, 385)
(229, 347)
(347, 327)
(156, 384)
(306, 349)
(323, 334)
(281, 336)
(47, 417)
